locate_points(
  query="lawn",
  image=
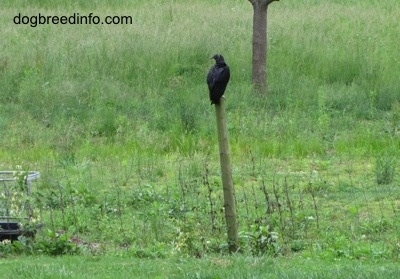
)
(213, 267)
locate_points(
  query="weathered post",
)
(226, 173)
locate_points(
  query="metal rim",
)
(32, 175)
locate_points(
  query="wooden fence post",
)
(226, 173)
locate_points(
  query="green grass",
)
(117, 120)
(215, 267)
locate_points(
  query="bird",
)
(218, 78)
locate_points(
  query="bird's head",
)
(218, 58)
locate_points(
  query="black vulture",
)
(218, 78)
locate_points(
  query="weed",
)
(385, 167)
(57, 243)
(260, 240)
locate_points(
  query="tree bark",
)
(259, 61)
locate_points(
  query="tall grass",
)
(117, 119)
(148, 78)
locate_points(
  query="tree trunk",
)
(259, 61)
(259, 71)
(226, 173)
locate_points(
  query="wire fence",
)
(299, 202)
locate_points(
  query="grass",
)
(94, 75)
(221, 267)
(117, 120)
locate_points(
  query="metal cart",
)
(15, 203)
